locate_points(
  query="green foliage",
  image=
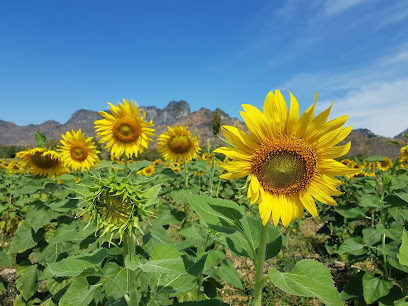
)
(308, 278)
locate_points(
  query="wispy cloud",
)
(399, 57)
(380, 107)
(334, 7)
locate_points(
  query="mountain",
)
(176, 112)
(363, 142)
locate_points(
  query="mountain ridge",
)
(364, 142)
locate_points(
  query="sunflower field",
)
(275, 217)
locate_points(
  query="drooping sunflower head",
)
(290, 160)
(42, 162)
(78, 152)
(178, 144)
(125, 131)
(117, 204)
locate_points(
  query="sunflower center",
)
(113, 210)
(79, 151)
(284, 165)
(126, 129)
(179, 144)
(43, 162)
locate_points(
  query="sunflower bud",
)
(118, 204)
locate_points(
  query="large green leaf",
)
(374, 288)
(165, 259)
(403, 251)
(53, 252)
(75, 265)
(79, 293)
(212, 302)
(6, 259)
(26, 238)
(229, 274)
(220, 215)
(352, 245)
(132, 262)
(119, 275)
(26, 280)
(155, 236)
(394, 231)
(309, 278)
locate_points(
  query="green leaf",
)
(220, 215)
(371, 236)
(212, 302)
(352, 245)
(395, 143)
(165, 259)
(75, 265)
(40, 140)
(374, 288)
(155, 236)
(52, 252)
(394, 231)
(374, 158)
(132, 262)
(354, 288)
(6, 260)
(403, 196)
(39, 215)
(26, 280)
(119, 275)
(26, 238)
(309, 278)
(403, 251)
(399, 214)
(2, 287)
(351, 212)
(229, 274)
(78, 293)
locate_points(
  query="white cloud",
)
(333, 7)
(401, 56)
(380, 107)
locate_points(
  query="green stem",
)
(259, 266)
(212, 175)
(385, 258)
(126, 164)
(185, 174)
(129, 247)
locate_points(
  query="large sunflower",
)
(78, 152)
(290, 159)
(177, 144)
(125, 131)
(42, 162)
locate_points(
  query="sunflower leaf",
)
(309, 278)
(40, 140)
(403, 251)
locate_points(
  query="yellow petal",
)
(308, 202)
(293, 118)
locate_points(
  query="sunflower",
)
(78, 152)
(290, 159)
(177, 144)
(148, 171)
(125, 131)
(404, 154)
(42, 162)
(385, 165)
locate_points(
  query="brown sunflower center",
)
(43, 162)
(179, 144)
(284, 165)
(113, 210)
(79, 151)
(126, 129)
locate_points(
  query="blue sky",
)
(60, 56)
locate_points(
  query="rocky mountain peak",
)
(84, 115)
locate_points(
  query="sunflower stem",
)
(129, 247)
(259, 266)
(126, 164)
(185, 174)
